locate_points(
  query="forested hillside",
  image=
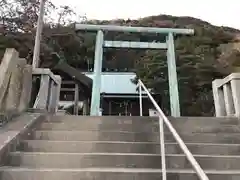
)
(211, 53)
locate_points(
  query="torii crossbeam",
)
(168, 45)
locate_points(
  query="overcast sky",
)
(217, 12)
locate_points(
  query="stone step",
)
(89, 146)
(10, 173)
(125, 147)
(135, 120)
(138, 127)
(141, 120)
(100, 126)
(120, 160)
(208, 129)
(94, 136)
(233, 138)
(101, 119)
(94, 126)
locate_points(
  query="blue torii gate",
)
(168, 45)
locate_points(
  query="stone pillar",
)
(52, 97)
(218, 98)
(226, 93)
(228, 99)
(85, 107)
(6, 67)
(58, 89)
(235, 84)
(26, 89)
(15, 86)
(49, 92)
(76, 98)
(54, 94)
(42, 99)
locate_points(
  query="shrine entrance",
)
(168, 46)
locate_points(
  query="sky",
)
(217, 12)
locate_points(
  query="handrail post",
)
(162, 146)
(140, 99)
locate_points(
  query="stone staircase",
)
(123, 148)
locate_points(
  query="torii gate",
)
(101, 43)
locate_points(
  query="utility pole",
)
(36, 53)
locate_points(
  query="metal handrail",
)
(162, 118)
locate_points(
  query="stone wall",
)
(15, 83)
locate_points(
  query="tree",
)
(196, 66)
(19, 18)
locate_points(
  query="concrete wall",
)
(15, 83)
